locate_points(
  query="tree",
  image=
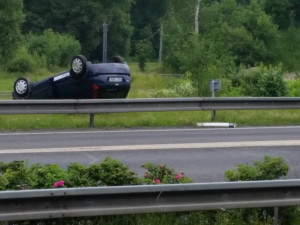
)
(246, 31)
(230, 34)
(83, 20)
(11, 18)
(283, 12)
(197, 16)
(142, 50)
(204, 60)
(179, 23)
(146, 19)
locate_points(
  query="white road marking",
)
(208, 145)
(94, 160)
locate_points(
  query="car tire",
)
(117, 59)
(21, 87)
(78, 67)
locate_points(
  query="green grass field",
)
(142, 84)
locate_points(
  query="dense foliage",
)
(83, 20)
(56, 49)
(11, 18)
(18, 175)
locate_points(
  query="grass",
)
(149, 119)
(142, 85)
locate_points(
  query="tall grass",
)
(143, 82)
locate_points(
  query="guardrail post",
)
(276, 216)
(213, 112)
(213, 115)
(214, 85)
(92, 119)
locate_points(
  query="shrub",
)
(294, 87)
(156, 174)
(21, 62)
(78, 175)
(270, 168)
(58, 49)
(3, 183)
(14, 175)
(263, 80)
(45, 176)
(111, 172)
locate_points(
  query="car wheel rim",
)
(77, 65)
(21, 87)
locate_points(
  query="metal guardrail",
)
(83, 202)
(144, 105)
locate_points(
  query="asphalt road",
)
(203, 154)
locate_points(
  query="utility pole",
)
(197, 16)
(161, 43)
(104, 60)
(105, 29)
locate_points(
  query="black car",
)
(84, 80)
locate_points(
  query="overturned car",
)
(84, 80)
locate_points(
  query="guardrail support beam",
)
(83, 202)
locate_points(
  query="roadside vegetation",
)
(251, 46)
(152, 84)
(18, 175)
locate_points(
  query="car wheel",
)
(117, 59)
(21, 87)
(78, 67)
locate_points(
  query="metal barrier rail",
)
(83, 202)
(144, 105)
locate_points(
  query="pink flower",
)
(145, 175)
(157, 181)
(159, 165)
(179, 176)
(60, 183)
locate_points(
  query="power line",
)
(147, 38)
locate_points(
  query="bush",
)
(78, 175)
(45, 176)
(267, 81)
(111, 172)
(3, 183)
(157, 174)
(14, 175)
(22, 62)
(294, 87)
(58, 49)
(17, 175)
(271, 168)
